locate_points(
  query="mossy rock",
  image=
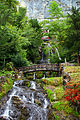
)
(38, 102)
(24, 114)
(26, 83)
(16, 101)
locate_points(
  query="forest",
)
(47, 94)
(21, 37)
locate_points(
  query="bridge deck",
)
(40, 67)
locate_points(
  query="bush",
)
(19, 61)
(9, 66)
(73, 92)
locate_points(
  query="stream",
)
(25, 101)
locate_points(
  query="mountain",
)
(39, 8)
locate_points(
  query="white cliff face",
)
(38, 9)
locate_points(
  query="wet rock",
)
(2, 118)
(50, 115)
(16, 100)
(38, 102)
(24, 114)
(66, 79)
(26, 83)
(20, 110)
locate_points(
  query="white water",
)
(27, 97)
(58, 53)
(34, 76)
(45, 103)
(44, 76)
(24, 98)
(33, 86)
(32, 97)
(6, 112)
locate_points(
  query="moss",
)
(55, 116)
(26, 83)
(72, 69)
(6, 87)
(56, 81)
(59, 91)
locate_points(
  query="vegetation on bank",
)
(21, 38)
(7, 77)
(65, 102)
(6, 82)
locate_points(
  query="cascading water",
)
(34, 76)
(22, 103)
(52, 52)
(58, 53)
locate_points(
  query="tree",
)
(33, 33)
(56, 27)
(55, 11)
(72, 41)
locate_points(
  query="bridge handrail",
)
(38, 66)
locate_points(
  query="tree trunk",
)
(78, 56)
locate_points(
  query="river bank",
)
(54, 90)
(64, 109)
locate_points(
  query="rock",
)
(66, 78)
(37, 102)
(16, 101)
(50, 115)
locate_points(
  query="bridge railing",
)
(40, 67)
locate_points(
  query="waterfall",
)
(34, 76)
(24, 98)
(42, 55)
(45, 103)
(33, 86)
(6, 112)
(32, 97)
(58, 53)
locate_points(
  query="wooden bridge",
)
(40, 67)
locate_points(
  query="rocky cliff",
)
(39, 8)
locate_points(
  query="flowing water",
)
(58, 53)
(25, 102)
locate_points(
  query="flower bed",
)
(73, 92)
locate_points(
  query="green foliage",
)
(50, 95)
(9, 66)
(72, 33)
(56, 81)
(63, 105)
(59, 91)
(20, 38)
(54, 10)
(6, 87)
(56, 116)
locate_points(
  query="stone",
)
(39, 8)
(37, 102)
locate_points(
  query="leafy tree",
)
(33, 33)
(20, 38)
(7, 9)
(72, 41)
(55, 11)
(56, 28)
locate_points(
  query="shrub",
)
(73, 92)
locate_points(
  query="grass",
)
(54, 88)
(6, 82)
(6, 87)
(72, 69)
